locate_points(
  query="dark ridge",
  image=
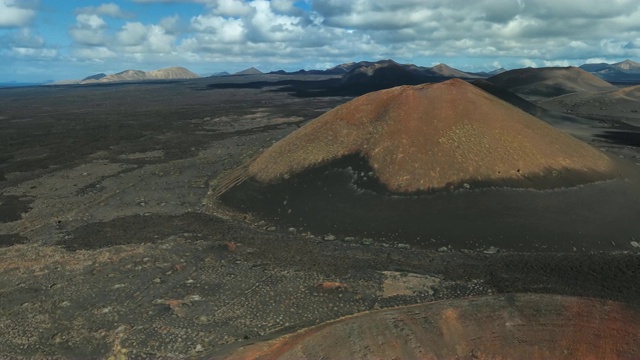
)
(7, 240)
(507, 96)
(139, 229)
(554, 118)
(626, 138)
(12, 207)
(95, 77)
(582, 271)
(324, 88)
(342, 198)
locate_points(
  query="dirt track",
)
(106, 249)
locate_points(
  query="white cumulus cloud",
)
(13, 14)
(89, 30)
(486, 33)
(106, 9)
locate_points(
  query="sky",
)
(44, 40)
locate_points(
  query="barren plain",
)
(111, 245)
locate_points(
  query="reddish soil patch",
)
(493, 327)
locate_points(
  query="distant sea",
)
(17, 84)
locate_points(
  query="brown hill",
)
(622, 103)
(249, 71)
(445, 70)
(127, 75)
(390, 73)
(176, 72)
(428, 137)
(385, 72)
(549, 82)
(437, 165)
(514, 326)
(628, 66)
(139, 75)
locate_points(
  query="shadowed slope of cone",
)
(549, 82)
(624, 102)
(426, 137)
(493, 327)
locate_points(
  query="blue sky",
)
(44, 40)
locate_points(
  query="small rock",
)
(491, 250)
(193, 298)
(333, 285)
(443, 249)
(466, 186)
(349, 239)
(272, 228)
(403, 246)
(467, 251)
(330, 237)
(199, 348)
(292, 230)
(231, 246)
(367, 241)
(635, 244)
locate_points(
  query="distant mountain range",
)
(384, 73)
(138, 75)
(388, 71)
(627, 70)
(170, 73)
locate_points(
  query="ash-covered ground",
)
(111, 247)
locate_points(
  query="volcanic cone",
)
(426, 137)
(384, 166)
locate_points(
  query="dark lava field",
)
(113, 245)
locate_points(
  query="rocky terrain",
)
(111, 245)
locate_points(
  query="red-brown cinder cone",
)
(426, 137)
